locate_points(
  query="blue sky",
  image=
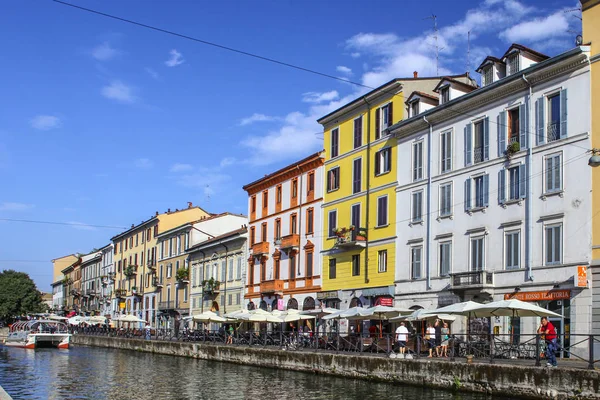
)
(104, 123)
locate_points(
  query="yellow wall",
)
(174, 219)
(61, 263)
(344, 278)
(591, 33)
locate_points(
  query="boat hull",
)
(41, 340)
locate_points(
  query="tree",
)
(18, 295)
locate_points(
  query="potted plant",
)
(512, 148)
(134, 289)
(182, 274)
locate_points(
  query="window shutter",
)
(390, 114)
(539, 121)
(468, 194)
(486, 190)
(377, 162)
(563, 113)
(502, 186)
(522, 181)
(523, 126)
(468, 150)
(501, 133)
(486, 138)
(377, 123)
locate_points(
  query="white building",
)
(91, 286)
(58, 300)
(284, 239)
(109, 306)
(481, 218)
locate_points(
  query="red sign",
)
(539, 296)
(385, 301)
(581, 278)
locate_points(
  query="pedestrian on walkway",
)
(430, 338)
(445, 333)
(549, 334)
(402, 338)
(438, 337)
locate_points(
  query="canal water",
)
(95, 373)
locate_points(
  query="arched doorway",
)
(309, 304)
(263, 305)
(292, 304)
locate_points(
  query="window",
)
(513, 249)
(445, 94)
(332, 265)
(238, 272)
(263, 232)
(149, 234)
(294, 224)
(294, 192)
(293, 266)
(137, 238)
(513, 125)
(237, 298)
(265, 201)
(415, 261)
(252, 235)
(383, 119)
(553, 244)
(554, 117)
(253, 205)
(278, 196)
(481, 191)
(333, 179)
(230, 272)
(277, 268)
(477, 254)
(278, 229)
(417, 161)
(382, 261)
(553, 173)
(169, 270)
(230, 299)
(488, 75)
(417, 206)
(310, 221)
(478, 142)
(155, 230)
(332, 222)
(512, 64)
(355, 215)
(382, 211)
(414, 108)
(513, 183)
(335, 136)
(263, 270)
(357, 175)
(310, 186)
(445, 258)
(446, 151)
(517, 181)
(446, 200)
(309, 263)
(358, 132)
(383, 161)
(356, 265)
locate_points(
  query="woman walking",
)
(445, 339)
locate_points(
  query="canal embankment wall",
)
(497, 379)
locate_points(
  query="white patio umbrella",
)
(76, 320)
(293, 315)
(97, 319)
(57, 317)
(513, 308)
(260, 315)
(423, 314)
(130, 318)
(208, 317)
(320, 312)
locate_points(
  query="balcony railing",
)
(131, 270)
(472, 279)
(151, 263)
(260, 248)
(514, 139)
(478, 154)
(350, 237)
(156, 282)
(210, 287)
(166, 305)
(120, 293)
(272, 286)
(553, 131)
(112, 276)
(290, 241)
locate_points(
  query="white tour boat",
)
(38, 333)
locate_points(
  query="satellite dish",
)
(578, 40)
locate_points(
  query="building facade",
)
(91, 282)
(58, 300)
(359, 201)
(284, 237)
(109, 305)
(218, 272)
(72, 286)
(502, 188)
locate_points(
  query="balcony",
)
(290, 241)
(272, 286)
(211, 286)
(130, 271)
(472, 280)
(166, 305)
(157, 283)
(75, 293)
(351, 237)
(151, 264)
(553, 131)
(120, 293)
(112, 276)
(260, 248)
(478, 154)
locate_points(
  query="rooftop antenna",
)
(468, 51)
(207, 192)
(577, 10)
(437, 48)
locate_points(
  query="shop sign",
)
(539, 296)
(280, 304)
(386, 301)
(327, 295)
(581, 279)
(122, 305)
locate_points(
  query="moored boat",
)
(38, 333)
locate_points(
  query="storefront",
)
(329, 299)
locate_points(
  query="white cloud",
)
(181, 167)
(152, 73)
(45, 122)
(355, 55)
(119, 91)
(316, 97)
(344, 70)
(143, 163)
(81, 226)
(175, 59)
(227, 161)
(205, 179)
(257, 118)
(11, 206)
(104, 52)
(538, 29)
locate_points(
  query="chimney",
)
(156, 214)
(415, 74)
(168, 210)
(132, 225)
(189, 204)
(177, 209)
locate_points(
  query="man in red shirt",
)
(549, 334)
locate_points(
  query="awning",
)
(379, 291)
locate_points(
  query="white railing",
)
(478, 154)
(553, 131)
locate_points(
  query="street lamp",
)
(594, 160)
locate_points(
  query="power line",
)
(26, 261)
(76, 224)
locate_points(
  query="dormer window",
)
(512, 63)
(488, 75)
(414, 108)
(445, 94)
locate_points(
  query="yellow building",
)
(137, 278)
(359, 204)
(60, 263)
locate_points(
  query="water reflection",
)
(93, 373)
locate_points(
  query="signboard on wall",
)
(539, 296)
(280, 304)
(581, 279)
(122, 305)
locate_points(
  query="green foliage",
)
(456, 384)
(512, 149)
(18, 295)
(182, 274)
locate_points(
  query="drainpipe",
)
(428, 253)
(529, 200)
(368, 199)
(225, 283)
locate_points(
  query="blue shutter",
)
(468, 146)
(563, 113)
(523, 126)
(539, 121)
(486, 190)
(501, 133)
(522, 181)
(468, 194)
(502, 186)
(486, 138)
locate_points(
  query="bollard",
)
(591, 352)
